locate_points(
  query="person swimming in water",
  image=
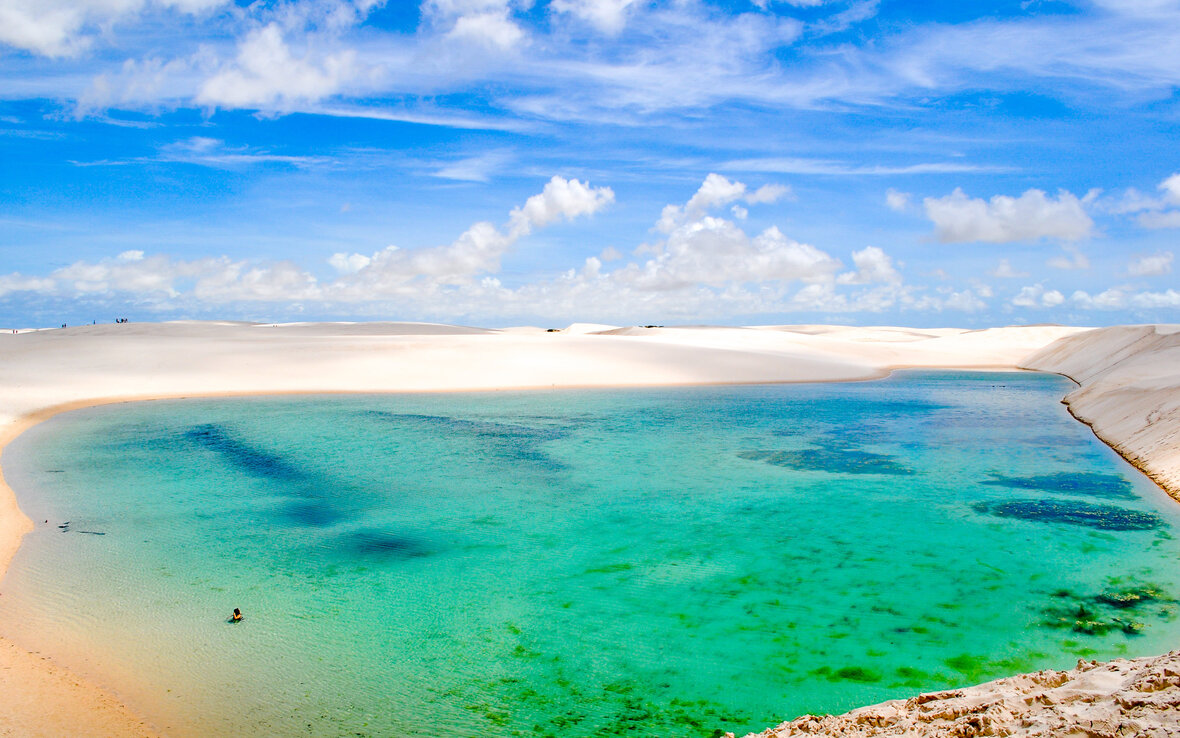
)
(236, 617)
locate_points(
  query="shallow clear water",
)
(651, 562)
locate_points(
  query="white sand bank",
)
(45, 372)
(1129, 394)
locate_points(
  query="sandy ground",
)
(1119, 698)
(45, 372)
(1129, 394)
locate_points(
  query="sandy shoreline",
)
(48, 372)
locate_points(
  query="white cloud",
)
(477, 251)
(1037, 296)
(966, 301)
(608, 16)
(561, 199)
(1074, 259)
(213, 152)
(1111, 299)
(59, 28)
(17, 282)
(1156, 219)
(897, 201)
(1151, 266)
(495, 29)
(872, 265)
(1004, 270)
(349, 263)
(1171, 189)
(768, 193)
(1152, 212)
(832, 167)
(1155, 300)
(712, 251)
(958, 218)
(267, 73)
(474, 168)
(486, 23)
(717, 191)
(1118, 299)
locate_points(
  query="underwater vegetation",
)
(849, 673)
(1102, 517)
(832, 460)
(234, 452)
(523, 443)
(1120, 608)
(1068, 483)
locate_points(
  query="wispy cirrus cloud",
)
(212, 152)
(832, 167)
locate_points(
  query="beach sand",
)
(46, 372)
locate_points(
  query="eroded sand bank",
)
(1129, 393)
(1119, 698)
(44, 372)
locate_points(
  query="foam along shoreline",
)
(45, 372)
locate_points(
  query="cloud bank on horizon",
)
(626, 161)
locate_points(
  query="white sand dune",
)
(1129, 395)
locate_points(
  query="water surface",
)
(646, 562)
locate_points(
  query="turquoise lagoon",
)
(666, 562)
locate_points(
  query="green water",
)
(575, 563)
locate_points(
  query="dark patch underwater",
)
(832, 460)
(1109, 486)
(1102, 517)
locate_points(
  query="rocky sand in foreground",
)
(1118, 698)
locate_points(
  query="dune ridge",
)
(1129, 392)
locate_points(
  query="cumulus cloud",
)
(1034, 215)
(1152, 265)
(349, 263)
(715, 192)
(162, 277)
(267, 72)
(391, 272)
(1119, 299)
(483, 22)
(705, 266)
(872, 265)
(561, 199)
(1037, 296)
(1162, 211)
(715, 252)
(394, 271)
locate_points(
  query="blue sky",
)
(503, 162)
